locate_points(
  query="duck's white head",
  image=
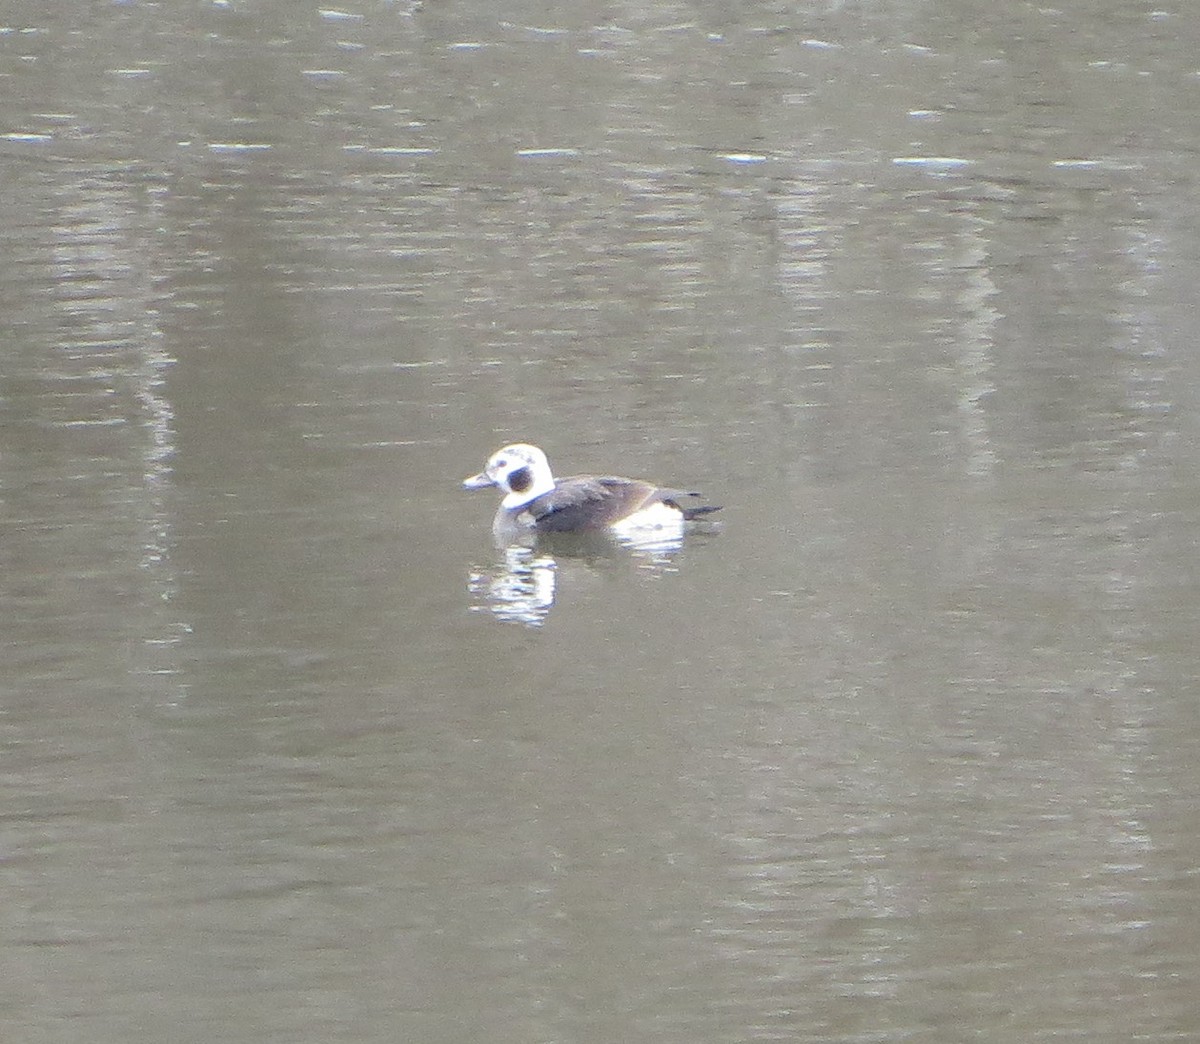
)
(520, 470)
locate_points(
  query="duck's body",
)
(535, 500)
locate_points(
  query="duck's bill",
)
(479, 481)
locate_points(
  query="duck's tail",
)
(690, 511)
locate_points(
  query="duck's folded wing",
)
(587, 502)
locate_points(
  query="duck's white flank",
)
(656, 516)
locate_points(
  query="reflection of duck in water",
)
(519, 588)
(534, 500)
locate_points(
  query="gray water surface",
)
(904, 748)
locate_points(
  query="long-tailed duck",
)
(535, 500)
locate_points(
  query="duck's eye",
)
(502, 463)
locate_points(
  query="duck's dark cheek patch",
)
(520, 480)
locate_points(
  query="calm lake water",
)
(907, 747)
